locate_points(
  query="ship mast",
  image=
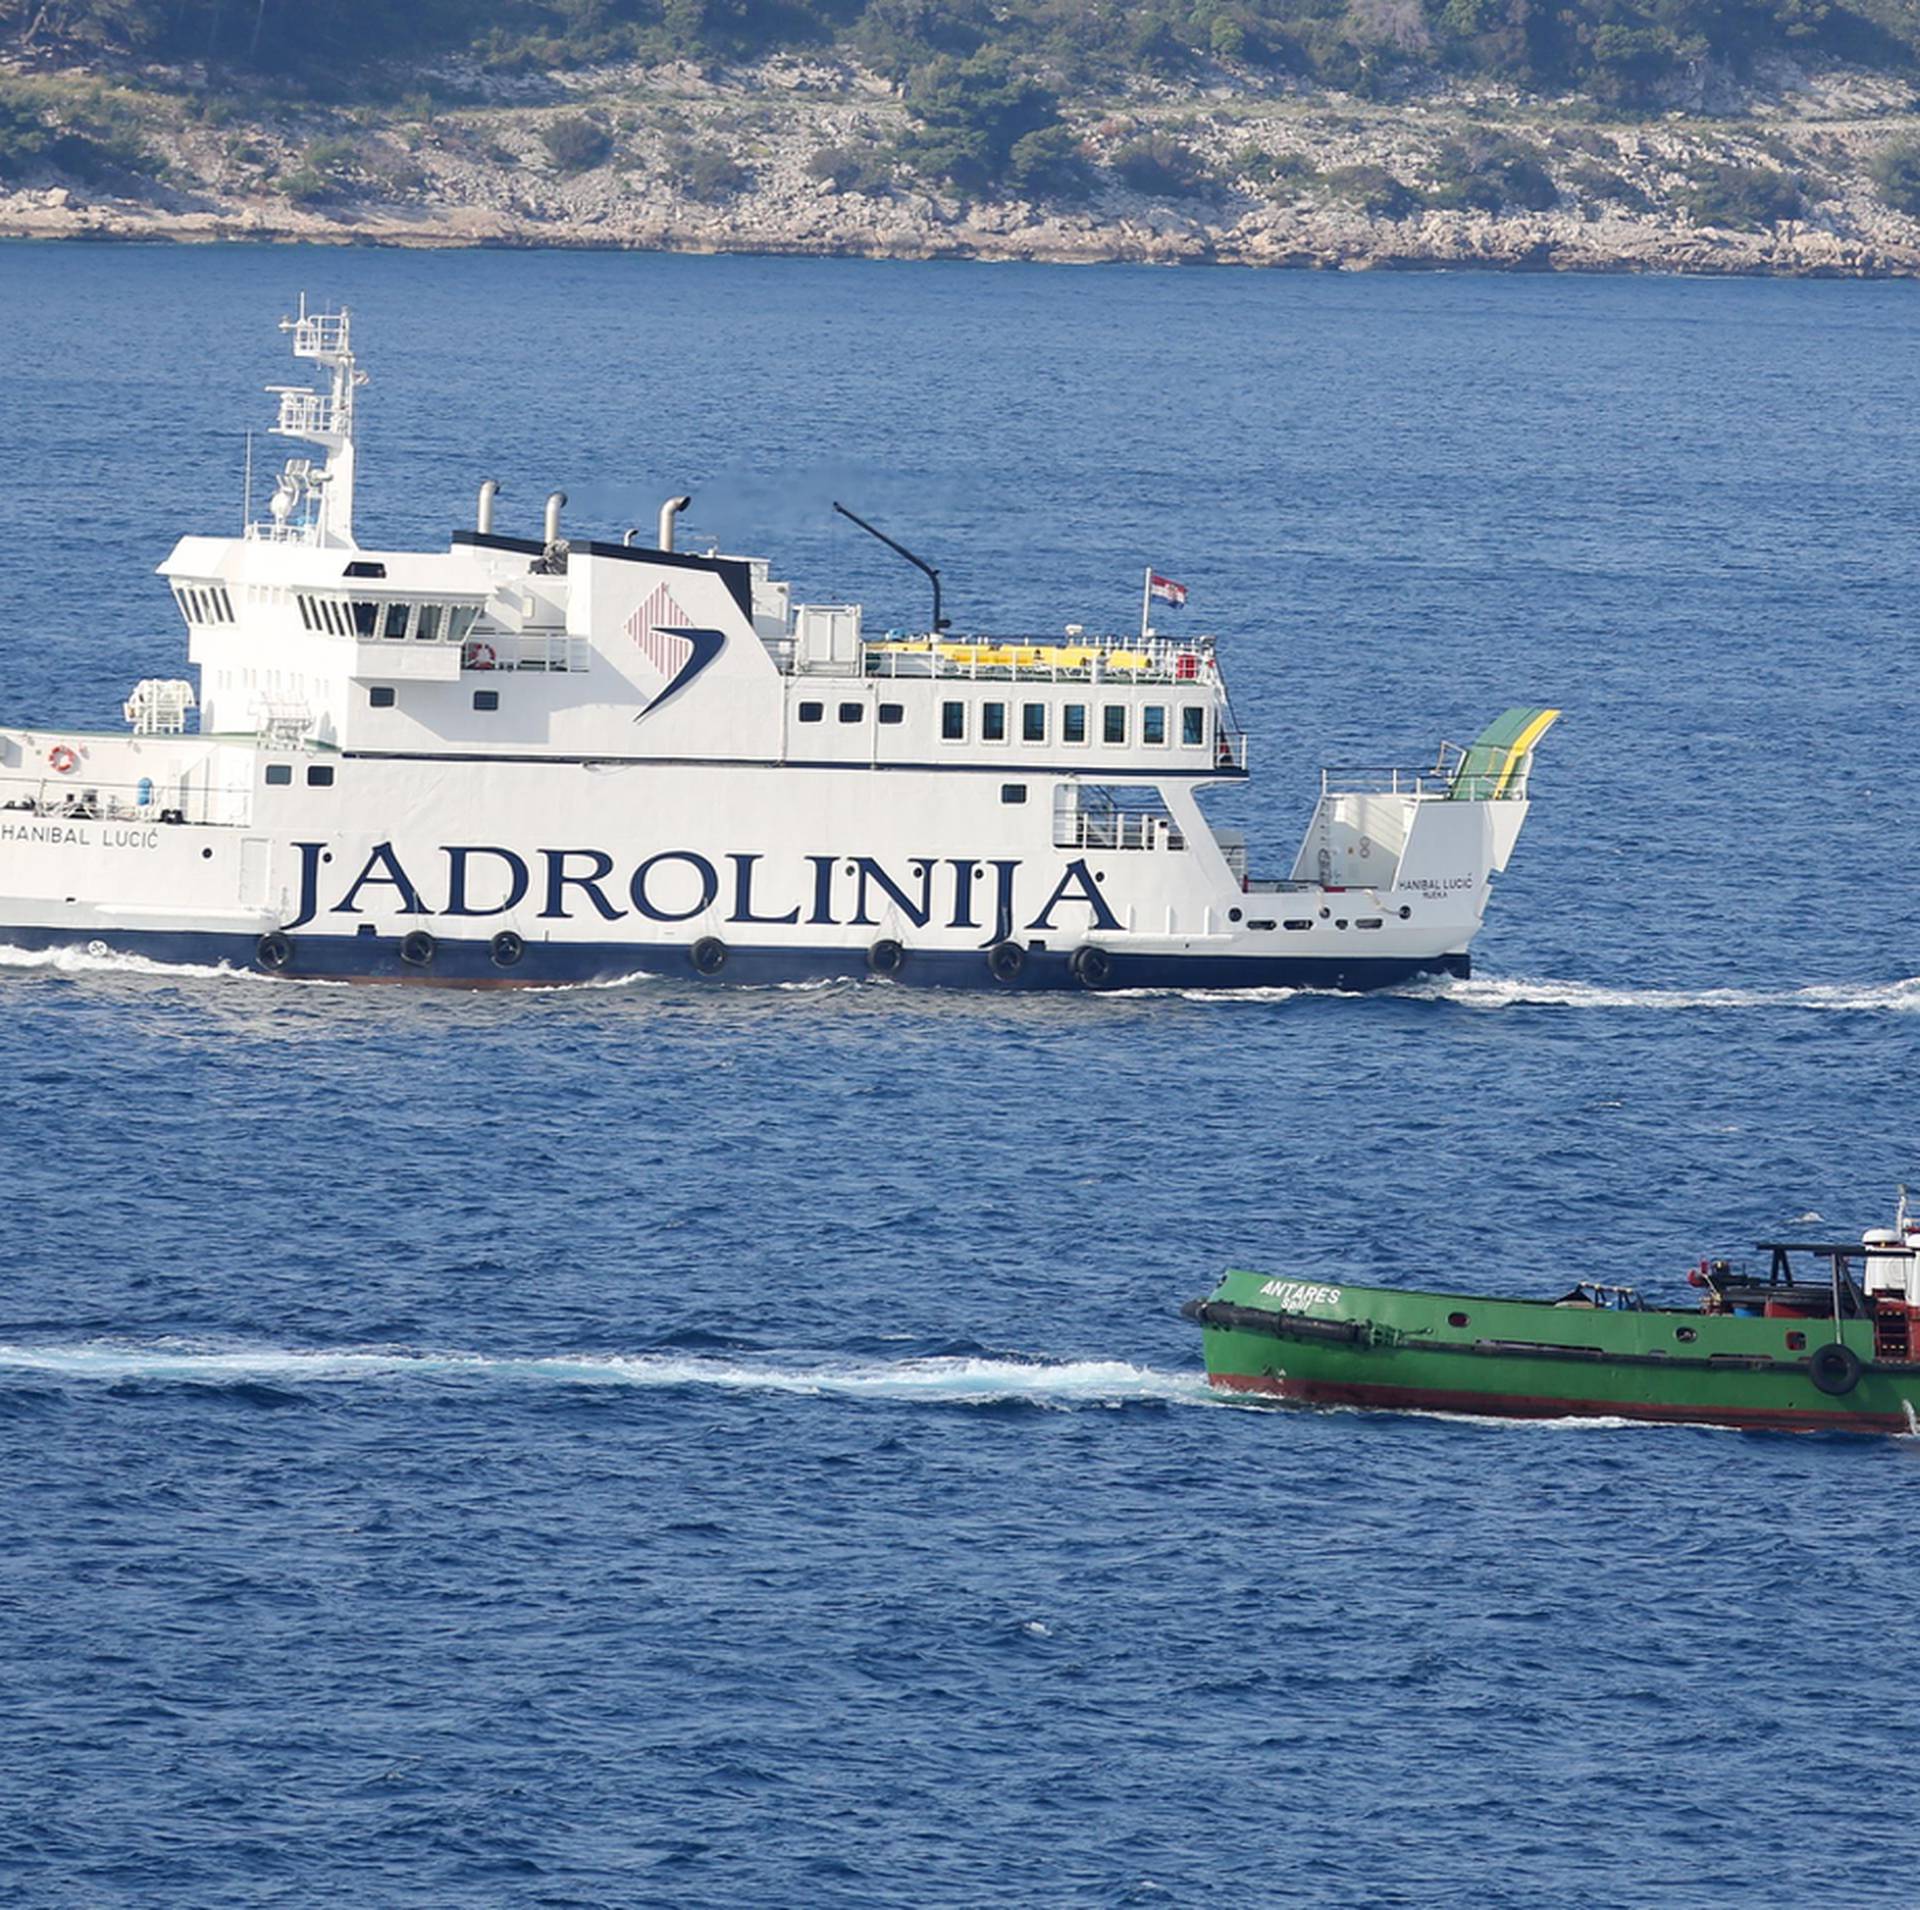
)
(312, 506)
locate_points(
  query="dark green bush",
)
(1162, 168)
(1490, 173)
(969, 115)
(576, 144)
(852, 169)
(1601, 182)
(1374, 190)
(1049, 164)
(1740, 198)
(706, 173)
(1896, 176)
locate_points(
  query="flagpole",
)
(1146, 604)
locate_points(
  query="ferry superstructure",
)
(557, 759)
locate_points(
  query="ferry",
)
(1819, 1336)
(557, 758)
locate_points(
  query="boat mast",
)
(316, 506)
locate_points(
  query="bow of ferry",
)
(554, 758)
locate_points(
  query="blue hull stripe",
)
(470, 964)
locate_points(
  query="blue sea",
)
(666, 1445)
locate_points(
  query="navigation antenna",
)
(316, 506)
(940, 623)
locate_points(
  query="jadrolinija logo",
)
(476, 880)
(678, 650)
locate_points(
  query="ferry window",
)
(320, 775)
(226, 605)
(460, 619)
(279, 773)
(1013, 792)
(993, 722)
(852, 712)
(428, 628)
(1193, 725)
(336, 617)
(1073, 722)
(1153, 724)
(194, 607)
(1113, 723)
(812, 712)
(893, 713)
(366, 618)
(396, 621)
(486, 699)
(381, 696)
(953, 722)
(306, 611)
(1033, 722)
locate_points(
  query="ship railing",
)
(306, 414)
(551, 650)
(1369, 779)
(98, 800)
(1116, 830)
(1041, 659)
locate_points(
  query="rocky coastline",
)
(697, 161)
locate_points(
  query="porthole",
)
(1685, 1335)
(1456, 1319)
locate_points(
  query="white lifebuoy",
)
(62, 760)
(479, 656)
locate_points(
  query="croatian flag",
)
(654, 627)
(1165, 590)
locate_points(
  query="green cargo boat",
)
(1833, 1344)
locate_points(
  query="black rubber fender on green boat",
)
(1835, 1369)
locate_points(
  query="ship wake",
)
(963, 1381)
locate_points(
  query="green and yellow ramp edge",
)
(1494, 766)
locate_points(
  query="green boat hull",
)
(1338, 1345)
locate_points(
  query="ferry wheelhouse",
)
(557, 758)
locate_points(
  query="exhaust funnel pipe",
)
(483, 516)
(668, 512)
(556, 503)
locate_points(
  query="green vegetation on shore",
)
(1618, 51)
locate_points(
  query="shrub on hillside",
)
(1162, 168)
(969, 116)
(1896, 176)
(1491, 173)
(852, 169)
(707, 173)
(1374, 190)
(575, 143)
(1740, 198)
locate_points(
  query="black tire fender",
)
(274, 951)
(1091, 967)
(886, 958)
(506, 948)
(1005, 960)
(1834, 1369)
(418, 948)
(708, 955)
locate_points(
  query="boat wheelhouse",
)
(562, 758)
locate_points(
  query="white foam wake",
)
(966, 1382)
(98, 959)
(1901, 997)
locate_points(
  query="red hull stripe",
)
(1531, 1406)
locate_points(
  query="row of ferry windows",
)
(208, 605)
(1114, 721)
(391, 622)
(1033, 721)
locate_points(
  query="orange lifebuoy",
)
(62, 760)
(479, 656)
